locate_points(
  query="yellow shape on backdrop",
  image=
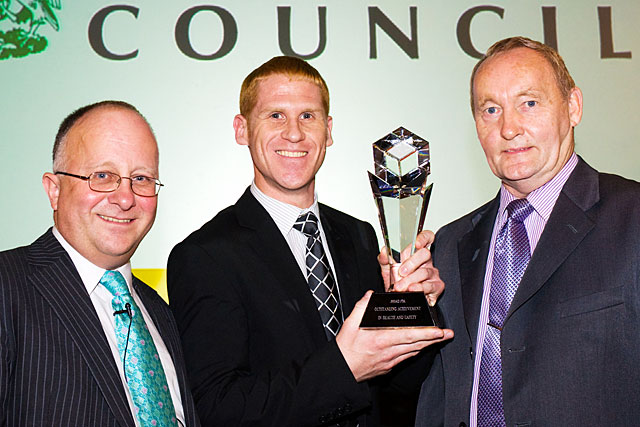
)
(154, 277)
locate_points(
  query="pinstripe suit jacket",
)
(56, 367)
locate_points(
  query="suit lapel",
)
(473, 250)
(158, 313)
(55, 277)
(342, 250)
(270, 247)
(567, 227)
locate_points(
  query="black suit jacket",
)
(254, 343)
(571, 340)
(56, 366)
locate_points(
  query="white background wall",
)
(191, 103)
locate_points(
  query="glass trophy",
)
(402, 195)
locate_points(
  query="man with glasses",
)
(82, 341)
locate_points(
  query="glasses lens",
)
(103, 181)
(144, 186)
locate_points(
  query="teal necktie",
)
(143, 371)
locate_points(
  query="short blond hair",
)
(563, 78)
(286, 65)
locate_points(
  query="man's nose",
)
(123, 196)
(511, 125)
(293, 131)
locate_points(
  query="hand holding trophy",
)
(400, 189)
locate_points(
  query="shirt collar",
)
(543, 198)
(283, 214)
(89, 272)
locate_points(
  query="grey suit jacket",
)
(571, 340)
(56, 367)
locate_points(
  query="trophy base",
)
(399, 310)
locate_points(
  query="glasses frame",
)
(120, 178)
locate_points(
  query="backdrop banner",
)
(388, 63)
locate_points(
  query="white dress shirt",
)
(101, 299)
(285, 215)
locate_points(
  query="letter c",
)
(95, 32)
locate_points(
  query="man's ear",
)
(241, 130)
(329, 128)
(51, 184)
(575, 106)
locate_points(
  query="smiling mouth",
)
(120, 221)
(291, 153)
(517, 150)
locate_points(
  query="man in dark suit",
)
(548, 335)
(260, 340)
(82, 341)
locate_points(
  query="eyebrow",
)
(279, 108)
(529, 92)
(481, 103)
(523, 93)
(111, 167)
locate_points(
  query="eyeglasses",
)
(106, 182)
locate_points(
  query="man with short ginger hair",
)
(263, 348)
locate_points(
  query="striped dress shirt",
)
(543, 199)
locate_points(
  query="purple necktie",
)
(511, 256)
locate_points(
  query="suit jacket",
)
(254, 343)
(571, 341)
(56, 366)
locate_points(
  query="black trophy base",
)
(399, 310)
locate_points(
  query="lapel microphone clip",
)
(127, 310)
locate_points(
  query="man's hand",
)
(416, 273)
(373, 352)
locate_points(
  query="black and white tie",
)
(319, 275)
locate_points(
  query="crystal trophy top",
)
(400, 188)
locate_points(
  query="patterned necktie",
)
(510, 259)
(143, 371)
(319, 275)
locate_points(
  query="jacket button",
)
(462, 424)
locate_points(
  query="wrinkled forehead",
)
(516, 62)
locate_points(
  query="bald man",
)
(82, 341)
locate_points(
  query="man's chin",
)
(119, 253)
